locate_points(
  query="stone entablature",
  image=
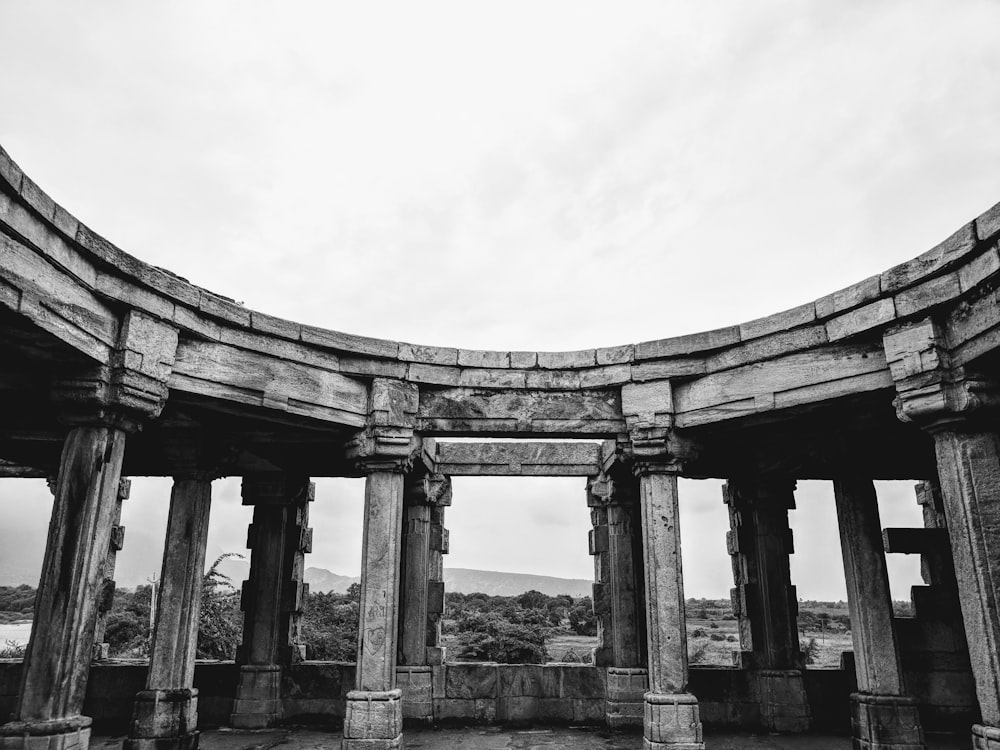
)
(68, 280)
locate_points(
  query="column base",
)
(886, 722)
(164, 720)
(374, 720)
(985, 737)
(671, 722)
(784, 706)
(258, 697)
(416, 683)
(59, 734)
(625, 706)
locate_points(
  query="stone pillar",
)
(166, 712)
(618, 597)
(883, 716)
(958, 408)
(436, 653)
(384, 452)
(57, 659)
(272, 597)
(421, 598)
(101, 404)
(671, 716)
(107, 596)
(374, 718)
(969, 471)
(764, 599)
(421, 584)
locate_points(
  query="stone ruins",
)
(112, 368)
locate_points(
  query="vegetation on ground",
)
(529, 628)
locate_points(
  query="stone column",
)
(435, 586)
(272, 597)
(618, 596)
(969, 471)
(764, 599)
(671, 715)
(384, 452)
(421, 566)
(883, 716)
(57, 660)
(102, 404)
(166, 712)
(374, 718)
(421, 597)
(958, 408)
(107, 597)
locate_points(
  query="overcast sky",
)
(544, 175)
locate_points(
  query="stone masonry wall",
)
(455, 693)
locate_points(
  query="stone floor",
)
(506, 738)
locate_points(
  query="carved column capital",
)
(930, 390)
(430, 489)
(604, 491)
(667, 454)
(388, 442)
(132, 387)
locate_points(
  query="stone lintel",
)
(518, 459)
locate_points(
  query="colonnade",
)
(638, 595)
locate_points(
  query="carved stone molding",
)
(930, 391)
(388, 442)
(132, 387)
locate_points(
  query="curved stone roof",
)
(71, 282)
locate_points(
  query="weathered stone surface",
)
(876, 653)
(666, 632)
(988, 223)
(696, 342)
(778, 322)
(672, 721)
(848, 298)
(862, 319)
(567, 360)
(374, 719)
(939, 257)
(377, 626)
(517, 459)
(57, 659)
(880, 722)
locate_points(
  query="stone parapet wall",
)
(461, 693)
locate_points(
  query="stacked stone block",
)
(272, 597)
(764, 600)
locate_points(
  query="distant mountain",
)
(321, 579)
(461, 580)
(495, 583)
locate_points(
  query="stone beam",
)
(10, 470)
(797, 379)
(246, 377)
(470, 411)
(518, 459)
